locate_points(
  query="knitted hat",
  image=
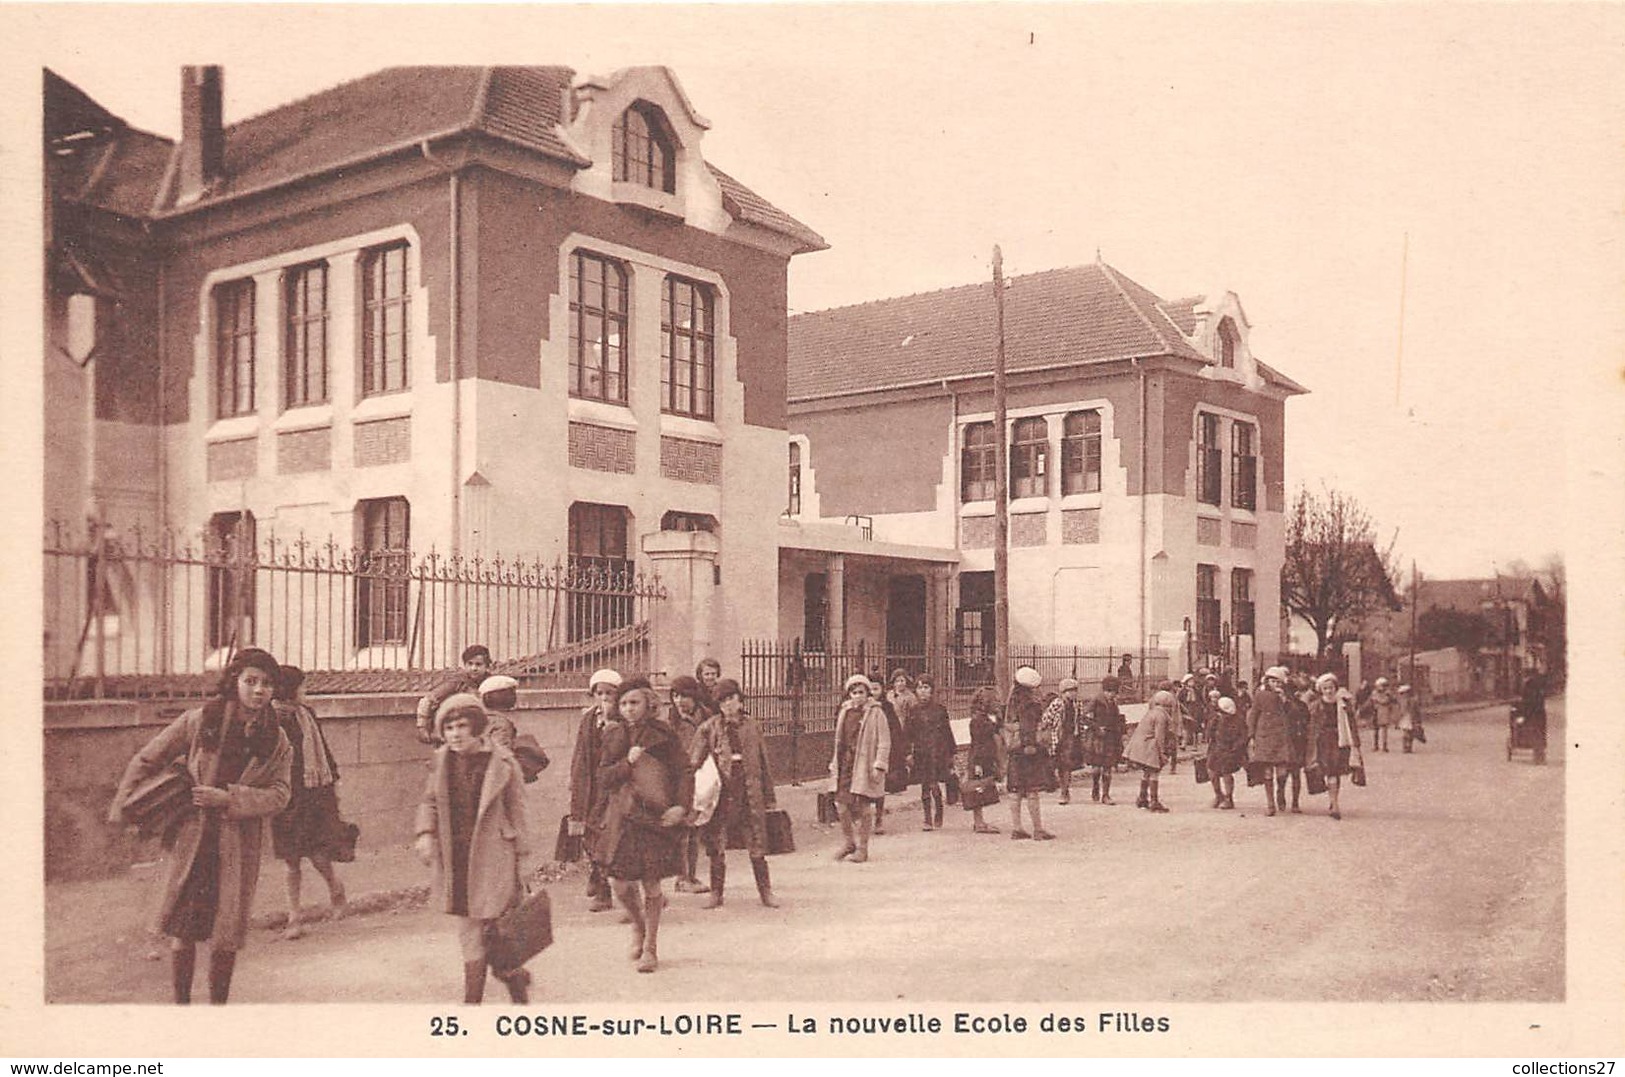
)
(462, 705)
(604, 676)
(1227, 705)
(1326, 678)
(1163, 699)
(858, 678)
(1028, 677)
(1278, 673)
(1069, 684)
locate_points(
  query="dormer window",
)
(1229, 344)
(644, 150)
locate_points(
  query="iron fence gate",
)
(138, 614)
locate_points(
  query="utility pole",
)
(1001, 482)
(1415, 601)
(1399, 354)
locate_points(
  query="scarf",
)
(318, 769)
(1345, 734)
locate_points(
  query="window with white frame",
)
(304, 335)
(1029, 458)
(598, 369)
(1080, 453)
(688, 348)
(1209, 460)
(977, 463)
(234, 348)
(385, 318)
(642, 149)
(1243, 466)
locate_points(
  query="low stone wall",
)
(382, 769)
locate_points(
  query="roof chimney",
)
(203, 139)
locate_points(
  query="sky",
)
(1330, 165)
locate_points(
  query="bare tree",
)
(1334, 574)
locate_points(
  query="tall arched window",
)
(643, 149)
(1229, 343)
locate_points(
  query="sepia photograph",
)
(997, 525)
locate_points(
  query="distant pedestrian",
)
(476, 666)
(1060, 732)
(733, 741)
(599, 727)
(1103, 740)
(472, 830)
(1410, 718)
(239, 762)
(857, 769)
(1226, 750)
(985, 757)
(1125, 673)
(1385, 706)
(1334, 737)
(685, 717)
(1268, 740)
(931, 750)
(310, 824)
(1028, 767)
(651, 793)
(1152, 745)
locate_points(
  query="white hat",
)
(1404, 688)
(1187, 677)
(1227, 705)
(1325, 679)
(1278, 673)
(1028, 677)
(1068, 683)
(496, 683)
(604, 676)
(1382, 682)
(859, 678)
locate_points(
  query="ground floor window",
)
(230, 557)
(601, 570)
(383, 570)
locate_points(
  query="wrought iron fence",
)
(789, 685)
(138, 614)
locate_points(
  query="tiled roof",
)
(1182, 312)
(746, 205)
(96, 159)
(1472, 595)
(1080, 314)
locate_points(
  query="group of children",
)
(632, 804)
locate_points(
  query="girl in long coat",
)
(239, 762)
(471, 829)
(1103, 739)
(1028, 768)
(651, 792)
(1268, 740)
(599, 723)
(733, 740)
(930, 750)
(1226, 750)
(1334, 737)
(857, 769)
(1296, 698)
(1152, 744)
(984, 760)
(307, 826)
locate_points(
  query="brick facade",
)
(384, 441)
(976, 532)
(1029, 529)
(603, 448)
(304, 450)
(229, 460)
(691, 461)
(1079, 526)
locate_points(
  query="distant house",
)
(1146, 453)
(1513, 609)
(477, 310)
